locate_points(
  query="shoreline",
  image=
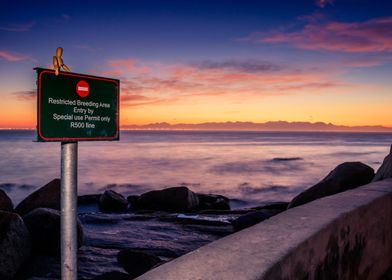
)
(388, 131)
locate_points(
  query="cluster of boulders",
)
(175, 199)
(32, 227)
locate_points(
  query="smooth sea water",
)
(251, 167)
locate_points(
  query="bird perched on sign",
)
(58, 62)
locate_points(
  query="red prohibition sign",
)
(83, 88)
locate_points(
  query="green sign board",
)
(76, 107)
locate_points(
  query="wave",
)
(286, 158)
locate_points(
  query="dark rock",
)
(278, 206)
(38, 267)
(113, 275)
(137, 262)
(251, 219)
(387, 274)
(212, 202)
(170, 199)
(46, 197)
(110, 201)
(133, 199)
(5, 202)
(14, 244)
(345, 176)
(385, 170)
(44, 227)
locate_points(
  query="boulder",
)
(251, 219)
(14, 244)
(170, 199)
(5, 202)
(44, 227)
(212, 202)
(276, 206)
(113, 275)
(132, 200)
(46, 197)
(137, 262)
(39, 267)
(345, 176)
(110, 201)
(385, 170)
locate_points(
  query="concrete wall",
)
(345, 236)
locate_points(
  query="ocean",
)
(248, 167)
(251, 168)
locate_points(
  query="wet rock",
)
(136, 262)
(110, 201)
(44, 227)
(38, 267)
(278, 206)
(170, 199)
(46, 197)
(345, 176)
(132, 200)
(385, 170)
(212, 202)
(14, 244)
(251, 219)
(113, 275)
(5, 202)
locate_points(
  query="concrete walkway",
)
(344, 236)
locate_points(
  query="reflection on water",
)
(251, 166)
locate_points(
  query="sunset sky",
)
(208, 61)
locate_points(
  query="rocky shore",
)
(123, 237)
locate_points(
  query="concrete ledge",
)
(345, 236)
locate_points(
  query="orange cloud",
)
(10, 56)
(358, 37)
(232, 81)
(26, 95)
(121, 66)
(134, 97)
(132, 100)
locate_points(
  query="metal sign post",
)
(74, 107)
(69, 185)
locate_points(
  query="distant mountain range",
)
(267, 126)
